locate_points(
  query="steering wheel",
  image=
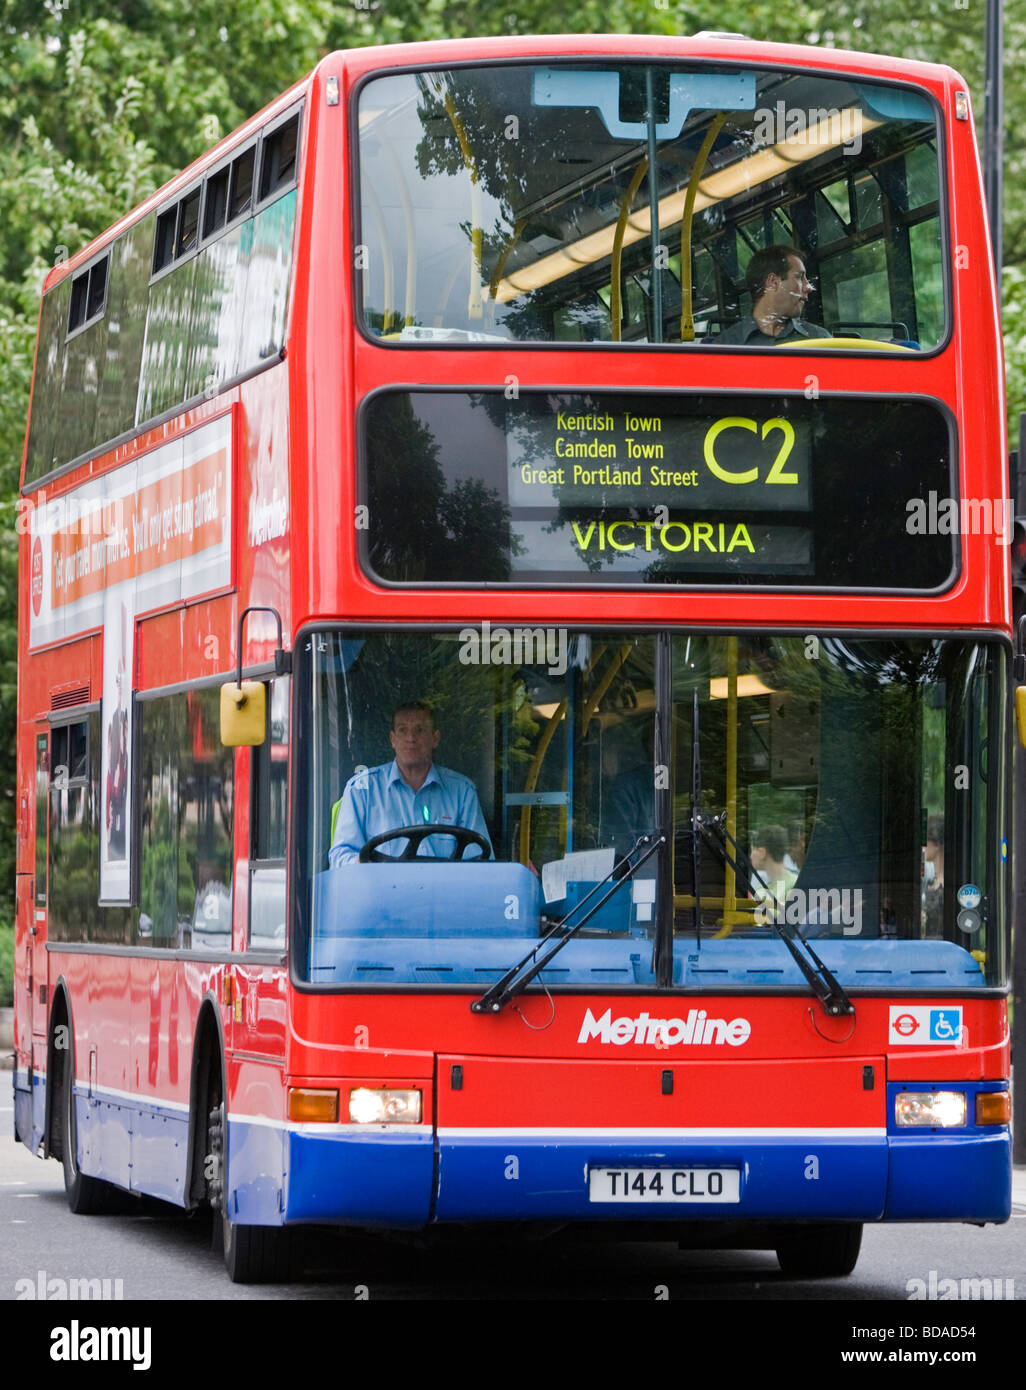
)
(463, 836)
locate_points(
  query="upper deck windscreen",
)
(518, 203)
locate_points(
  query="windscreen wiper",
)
(823, 983)
(516, 980)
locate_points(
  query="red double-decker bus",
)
(515, 659)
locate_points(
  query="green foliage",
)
(1014, 320)
(6, 965)
(101, 101)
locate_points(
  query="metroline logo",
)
(696, 1030)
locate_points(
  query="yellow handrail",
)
(615, 295)
(687, 314)
(504, 255)
(531, 780)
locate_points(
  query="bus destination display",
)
(605, 488)
(635, 485)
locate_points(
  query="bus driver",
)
(411, 790)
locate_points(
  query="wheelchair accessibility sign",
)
(922, 1025)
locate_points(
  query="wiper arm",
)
(823, 983)
(514, 982)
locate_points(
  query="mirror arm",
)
(282, 658)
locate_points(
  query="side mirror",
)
(244, 714)
(244, 703)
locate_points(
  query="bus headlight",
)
(384, 1107)
(940, 1109)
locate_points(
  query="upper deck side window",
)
(516, 203)
(240, 199)
(176, 234)
(88, 295)
(126, 339)
(278, 159)
(261, 171)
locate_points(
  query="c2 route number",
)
(776, 473)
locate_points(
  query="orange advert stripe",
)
(175, 518)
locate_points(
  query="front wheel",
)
(252, 1254)
(828, 1251)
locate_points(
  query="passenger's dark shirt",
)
(750, 334)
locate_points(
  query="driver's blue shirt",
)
(381, 799)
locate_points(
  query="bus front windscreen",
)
(465, 791)
(636, 203)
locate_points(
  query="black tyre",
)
(252, 1254)
(829, 1251)
(86, 1196)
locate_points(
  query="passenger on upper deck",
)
(410, 790)
(779, 287)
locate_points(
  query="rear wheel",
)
(86, 1195)
(827, 1251)
(252, 1254)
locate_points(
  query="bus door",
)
(258, 1022)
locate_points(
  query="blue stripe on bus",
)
(517, 1177)
(950, 1177)
(256, 1173)
(962, 1174)
(29, 1107)
(375, 1178)
(277, 1173)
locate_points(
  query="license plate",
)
(664, 1185)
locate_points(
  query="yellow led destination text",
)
(776, 474)
(631, 477)
(718, 537)
(647, 456)
(595, 448)
(608, 477)
(584, 449)
(584, 422)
